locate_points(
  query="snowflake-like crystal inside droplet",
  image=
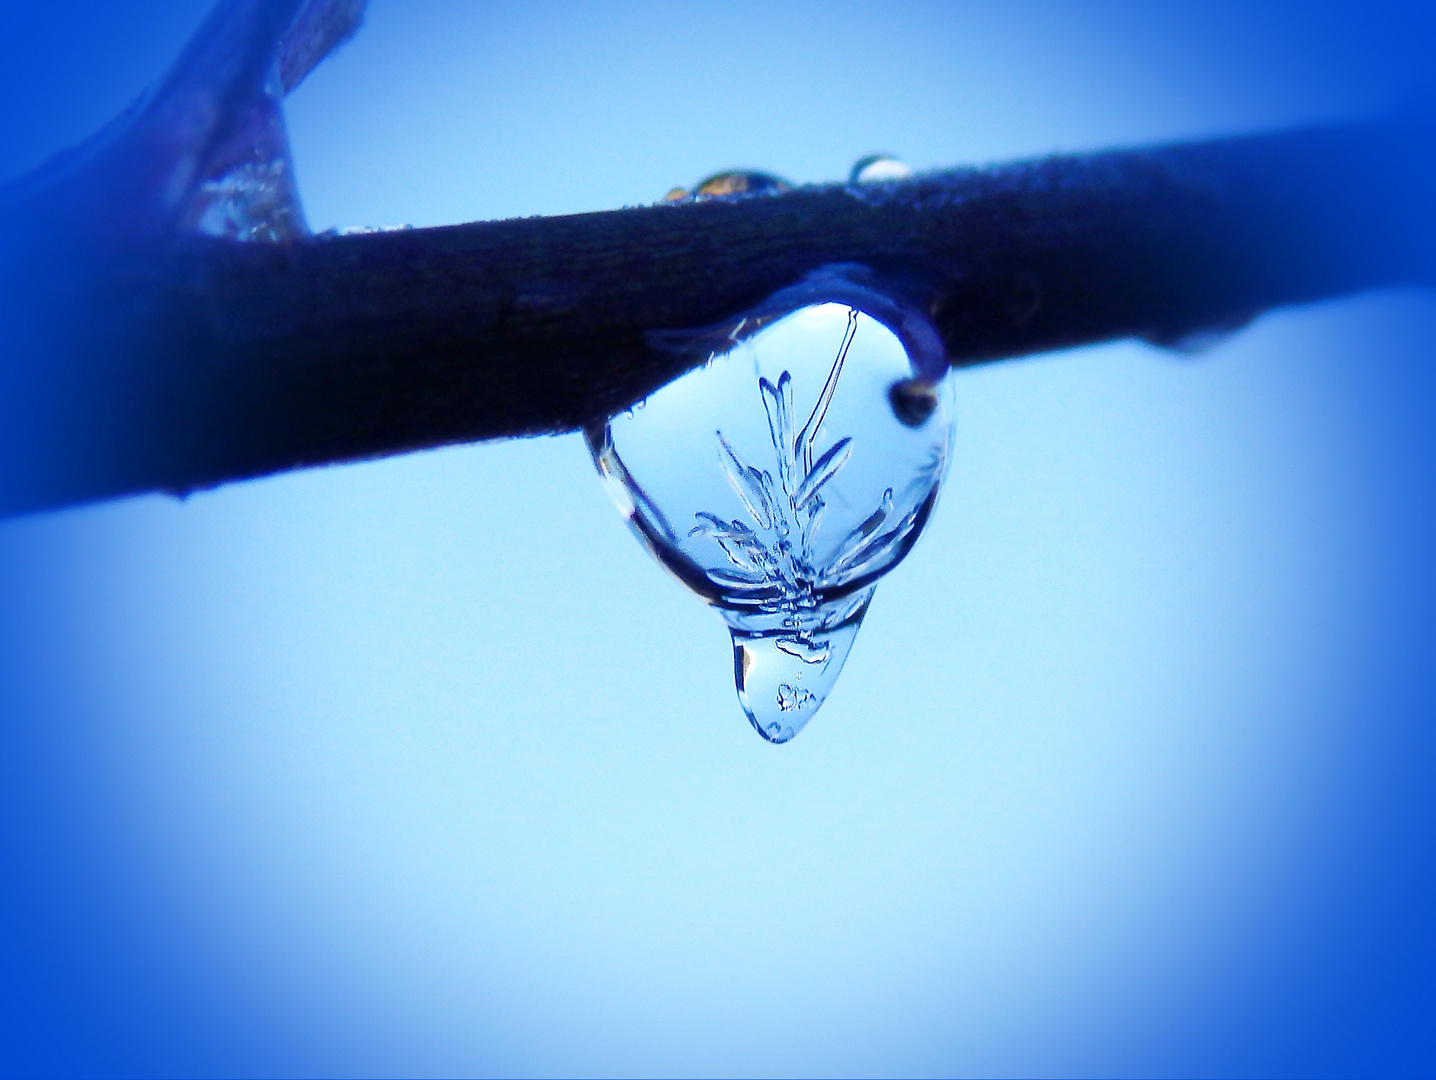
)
(779, 482)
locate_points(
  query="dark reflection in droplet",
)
(913, 401)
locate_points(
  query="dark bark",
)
(175, 360)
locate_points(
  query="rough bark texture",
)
(174, 360)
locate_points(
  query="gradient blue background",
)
(421, 766)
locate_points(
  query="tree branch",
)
(177, 360)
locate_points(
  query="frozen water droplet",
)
(876, 168)
(740, 182)
(782, 478)
(784, 679)
(729, 184)
(249, 193)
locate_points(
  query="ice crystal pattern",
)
(790, 527)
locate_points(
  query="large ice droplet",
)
(781, 479)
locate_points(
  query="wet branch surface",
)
(178, 361)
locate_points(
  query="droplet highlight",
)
(781, 480)
(876, 168)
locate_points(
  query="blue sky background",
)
(422, 767)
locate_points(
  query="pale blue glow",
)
(422, 767)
